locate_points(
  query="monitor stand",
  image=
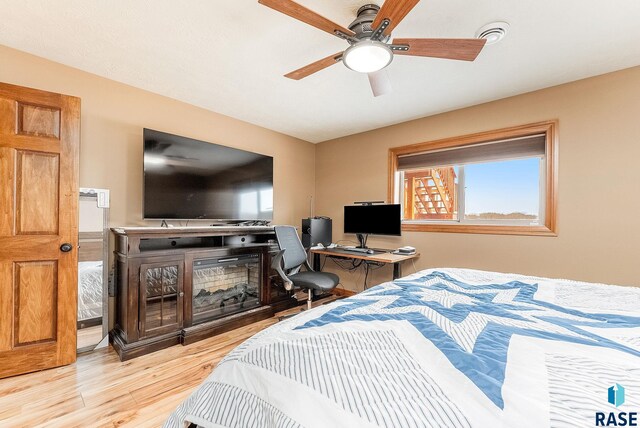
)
(362, 239)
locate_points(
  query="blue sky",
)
(503, 187)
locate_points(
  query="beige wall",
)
(599, 177)
(113, 115)
(599, 183)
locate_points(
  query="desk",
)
(381, 256)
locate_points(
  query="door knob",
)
(66, 247)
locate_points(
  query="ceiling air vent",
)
(493, 32)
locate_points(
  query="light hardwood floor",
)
(89, 337)
(100, 391)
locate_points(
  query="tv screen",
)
(191, 179)
(373, 219)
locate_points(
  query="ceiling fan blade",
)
(395, 11)
(305, 15)
(462, 49)
(314, 67)
(380, 82)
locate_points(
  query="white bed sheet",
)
(90, 290)
(442, 347)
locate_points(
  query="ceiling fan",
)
(369, 37)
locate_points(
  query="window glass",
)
(431, 194)
(507, 190)
(500, 192)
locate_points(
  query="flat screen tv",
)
(373, 219)
(190, 179)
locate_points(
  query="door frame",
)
(101, 197)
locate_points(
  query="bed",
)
(442, 347)
(90, 290)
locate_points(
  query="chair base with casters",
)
(289, 261)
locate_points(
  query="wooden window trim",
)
(549, 128)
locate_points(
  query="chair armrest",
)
(276, 264)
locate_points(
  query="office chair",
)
(291, 258)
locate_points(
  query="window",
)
(500, 182)
(250, 201)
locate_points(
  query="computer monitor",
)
(365, 220)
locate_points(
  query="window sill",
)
(479, 229)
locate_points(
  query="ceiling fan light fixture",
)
(367, 56)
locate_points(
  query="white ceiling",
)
(229, 56)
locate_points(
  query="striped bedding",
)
(442, 347)
(90, 292)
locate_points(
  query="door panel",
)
(39, 141)
(38, 120)
(37, 176)
(35, 293)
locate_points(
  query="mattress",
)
(442, 347)
(90, 291)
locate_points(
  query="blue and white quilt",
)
(442, 347)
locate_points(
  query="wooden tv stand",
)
(182, 284)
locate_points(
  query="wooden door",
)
(39, 143)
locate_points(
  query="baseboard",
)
(91, 322)
(343, 292)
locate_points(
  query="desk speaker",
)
(316, 230)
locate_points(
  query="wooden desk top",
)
(387, 257)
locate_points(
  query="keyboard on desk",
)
(358, 250)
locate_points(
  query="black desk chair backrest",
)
(291, 258)
(294, 254)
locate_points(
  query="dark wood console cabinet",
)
(179, 285)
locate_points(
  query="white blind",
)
(529, 146)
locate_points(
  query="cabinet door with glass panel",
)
(161, 295)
